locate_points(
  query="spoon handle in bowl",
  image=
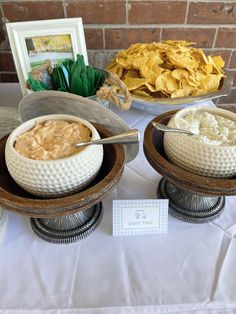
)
(129, 137)
(165, 128)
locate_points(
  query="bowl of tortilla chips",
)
(170, 73)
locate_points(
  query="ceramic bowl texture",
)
(204, 159)
(54, 178)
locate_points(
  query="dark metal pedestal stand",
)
(70, 228)
(188, 206)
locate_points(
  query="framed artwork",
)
(36, 44)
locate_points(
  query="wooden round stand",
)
(192, 198)
(69, 218)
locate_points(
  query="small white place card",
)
(140, 217)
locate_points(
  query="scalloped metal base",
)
(188, 206)
(70, 228)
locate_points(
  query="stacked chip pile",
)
(167, 69)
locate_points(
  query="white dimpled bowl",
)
(218, 161)
(54, 178)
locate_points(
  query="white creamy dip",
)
(210, 128)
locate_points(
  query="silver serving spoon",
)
(166, 128)
(129, 137)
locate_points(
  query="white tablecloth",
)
(191, 269)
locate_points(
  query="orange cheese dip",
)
(52, 140)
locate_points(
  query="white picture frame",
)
(20, 33)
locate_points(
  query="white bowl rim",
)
(31, 122)
(216, 110)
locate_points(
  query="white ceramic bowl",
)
(200, 158)
(53, 178)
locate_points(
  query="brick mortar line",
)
(215, 38)
(186, 13)
(4, 21)
(197, 26)
(127, 12)
(161, 31)
(230, 57)
(64, 8)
